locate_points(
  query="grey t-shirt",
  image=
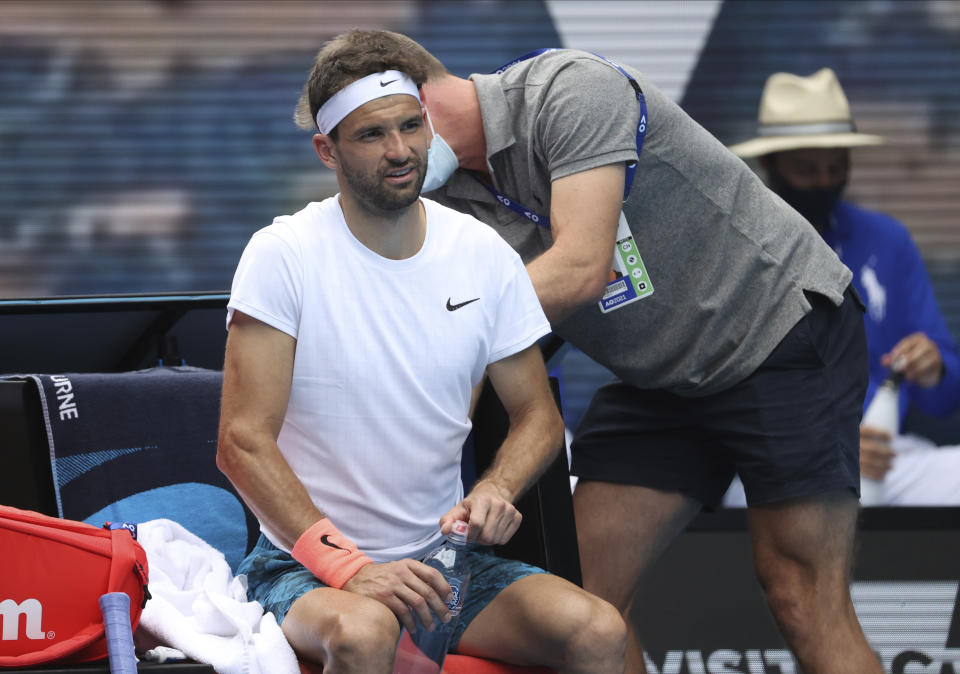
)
(728, 259)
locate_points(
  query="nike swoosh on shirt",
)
(454, 307)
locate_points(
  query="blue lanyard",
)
(631, 169)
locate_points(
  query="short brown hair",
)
(356, 54)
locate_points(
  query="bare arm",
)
(584, 211)
(257, 374)
(534, 438)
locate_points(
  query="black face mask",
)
(815, 205)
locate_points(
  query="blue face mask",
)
(441, 161)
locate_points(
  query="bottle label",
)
(455, 589)
(447, 557)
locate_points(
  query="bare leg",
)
(344, 632)
(803, 551)
(546, 620)
(621, 531)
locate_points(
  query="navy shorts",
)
(790, 429)
(276, 580)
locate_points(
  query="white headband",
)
(362, 91)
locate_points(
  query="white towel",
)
(201, 609)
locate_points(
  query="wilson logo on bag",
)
(52, 574)
(10, 612)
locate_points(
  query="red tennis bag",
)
(52, 574)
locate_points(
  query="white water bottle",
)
(883, 414)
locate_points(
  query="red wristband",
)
(328, 554)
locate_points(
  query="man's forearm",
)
(268, 486)
(532, 443)
(563, 286)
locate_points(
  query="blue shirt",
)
(889, 274)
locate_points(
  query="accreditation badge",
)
(629, 279)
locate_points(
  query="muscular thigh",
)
(323, 615)
(528, 622)
(490, 576)
(621, 530)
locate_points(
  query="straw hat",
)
(802, 112)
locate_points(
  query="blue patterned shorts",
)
(276, 580)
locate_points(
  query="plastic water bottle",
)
(423, 652)
(883, 413)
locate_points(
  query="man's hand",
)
(404, 586)
(918, 358)
(876, 456)
(493, 519)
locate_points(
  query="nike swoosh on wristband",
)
(383, 84)
(323, 539)
(454, 307)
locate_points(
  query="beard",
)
(372, 191)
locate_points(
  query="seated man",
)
(807, 162)
(357, 329)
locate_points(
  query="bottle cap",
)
(895, 372)
(460, 528)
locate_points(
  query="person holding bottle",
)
(732, 327)
(424, 651)
(807, 132)
(357, 329)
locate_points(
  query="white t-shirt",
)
(387, 354)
